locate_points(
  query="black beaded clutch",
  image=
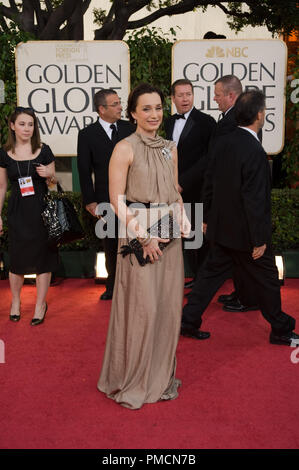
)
(166, 228)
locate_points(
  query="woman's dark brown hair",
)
(138, 91)
(11, 139)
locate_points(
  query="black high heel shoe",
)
(15, 318)
(38, 321)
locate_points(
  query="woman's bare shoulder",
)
(123, 144)
(123, 152)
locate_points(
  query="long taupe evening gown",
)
(139, 362)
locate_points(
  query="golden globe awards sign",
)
(257, 63)
(58, 79)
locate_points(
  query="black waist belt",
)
(147, 205)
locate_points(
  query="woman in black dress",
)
(28, 165)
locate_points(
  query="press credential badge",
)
(26, 186)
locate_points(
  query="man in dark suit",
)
(191, 129)
(227, 90)
(95, 146)
(218, 266)
(239, 211)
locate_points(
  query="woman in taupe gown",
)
(139, 363)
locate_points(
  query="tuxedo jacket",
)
(240, 215)
(226, 125)
(94, 151)
(192, 151)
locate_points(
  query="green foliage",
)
(99, 16)
(276, 15)
(150, 59)
(285, 222)
(8, 42)
(285, 219)
(290, 155)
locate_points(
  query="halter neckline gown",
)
(139, 362)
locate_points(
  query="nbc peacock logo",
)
(215, 51)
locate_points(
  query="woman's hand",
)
(152, 249)
(45, 171)
(182, 219)
(185, 226)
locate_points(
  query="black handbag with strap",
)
(61, 219)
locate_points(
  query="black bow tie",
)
(179, 116)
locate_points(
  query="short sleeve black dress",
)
(29, 252)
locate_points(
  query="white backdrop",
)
(257, 63)
(58, 79)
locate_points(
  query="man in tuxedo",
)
(191, 129)
(239, 211)
(95, 146)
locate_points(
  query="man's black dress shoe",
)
(236, 306)
(106, 296)
(287, 339)
(38, 321)
(189, 284)
(227, 298)
(192, 332)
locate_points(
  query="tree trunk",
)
(57, 18)
(27, 17)
(75, 28)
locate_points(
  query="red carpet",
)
(238, 390)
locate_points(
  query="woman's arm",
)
(3, 188)
(121, 159)
(120, 162)
(182, 217)
(47, 171)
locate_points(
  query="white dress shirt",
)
(106, 126)
(228, 110)
(179, 126)
(251, 132)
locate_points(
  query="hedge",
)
(285, 222)
(285, 219)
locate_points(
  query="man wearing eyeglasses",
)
(95, 146)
